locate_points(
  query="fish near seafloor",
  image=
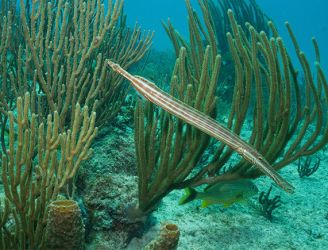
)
(226, 193)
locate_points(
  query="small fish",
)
(226, 193)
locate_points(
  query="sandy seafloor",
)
(301, 222)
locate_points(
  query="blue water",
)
(308, 19)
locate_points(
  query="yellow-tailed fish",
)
(226, 193)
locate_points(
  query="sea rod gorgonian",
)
(203, 122)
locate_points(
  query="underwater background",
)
(94, 157)
(308, 18)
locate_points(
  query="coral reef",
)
(245, 11)
(55, 50)
(53, 67)
(107, 184)
(40, 162)
(65, 229)
(107, 199)
(306, 168)
(269, 204)
(167, 239)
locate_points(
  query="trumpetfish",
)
(203, 122)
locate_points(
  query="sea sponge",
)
(65, 228)
(167, 239)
